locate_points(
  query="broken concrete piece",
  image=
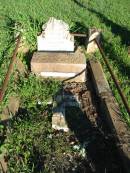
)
(58, 119)
(63, 100)
(55, 37)
(69, 100)
(60, 65)
(92, 46)
(65, 97)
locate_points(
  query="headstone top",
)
(55, 27)
(55, 37)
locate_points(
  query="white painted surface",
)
(55, 37)
(58, 74)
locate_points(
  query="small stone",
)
(76, 147)
(72, 143)
(50, 136)
(73, 169)
(83, 152)
(39, 102)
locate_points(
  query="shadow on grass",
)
(35, 23)
(116, 29)
(79, 27)
(124, 34)
(80, 4)
(123, 67)
(27, 59)
(36, 157)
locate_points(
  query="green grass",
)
(111, 16)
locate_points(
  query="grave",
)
(56, 56)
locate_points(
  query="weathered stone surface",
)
(68, 100)
(58, 119)
(99, 78)
(60, 65)
(92, 46)
(55, 37)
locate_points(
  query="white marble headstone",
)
(55, 37)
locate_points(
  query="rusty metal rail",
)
(10, 69)
(79, 35)
(124, 100)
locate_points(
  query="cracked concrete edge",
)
(111, 110)
(99, 80)
(119, 128)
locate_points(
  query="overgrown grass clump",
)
(33, 146)
(28, 142)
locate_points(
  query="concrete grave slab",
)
(60, 65)
(58, 119)
(98, 76)
(63, 100)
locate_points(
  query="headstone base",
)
(60, 65)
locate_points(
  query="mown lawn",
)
(111, 16)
